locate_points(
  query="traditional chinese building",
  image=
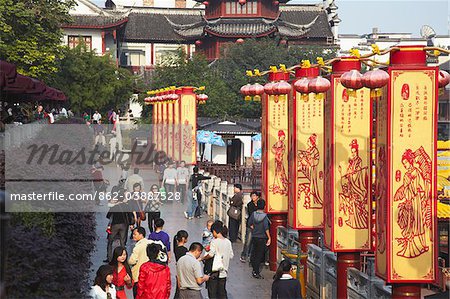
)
(230, 21)
(139, 37)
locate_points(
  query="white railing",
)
(16, 134)
(218, 194)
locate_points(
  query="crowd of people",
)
(145, 271)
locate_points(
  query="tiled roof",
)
(242, 126)
(157, 26)
(304, 14)
(93, 21)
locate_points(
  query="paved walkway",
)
(240, 283)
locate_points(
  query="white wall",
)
(219, 154)
(95, 34)
(247, 145)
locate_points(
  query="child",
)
(160, 235)
(207, 237)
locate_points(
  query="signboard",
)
(348, 126)
(275, 154)
(405, 183)
(307, 150)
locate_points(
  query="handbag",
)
(217, 265)
(234, 212)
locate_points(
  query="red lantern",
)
(275, 3)
(282, 88)
(375, 80)
(245, 91)
(319, 86)
(205, 3)
(198, 43)
(352, 80)
(240, 41)
(202, 98)
(302, 86)
(242, 2)
(259, 91)
(444, 79)
(269, 88)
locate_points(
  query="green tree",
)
(224, 78)
(30, 34)
(92, 82)
(194, 72)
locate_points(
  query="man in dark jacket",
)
(251, 207)
(120, 218)
(196, 178)
(259, 222)
(234, 221)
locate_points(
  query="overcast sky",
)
(360, 16)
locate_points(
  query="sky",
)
(360, 16)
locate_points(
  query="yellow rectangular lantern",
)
(275, 150)
(348, 126)
(306, 161)
(188, 127)
(406, 170)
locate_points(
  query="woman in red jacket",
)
(154, 276)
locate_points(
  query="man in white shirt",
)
(133, 179)
(112, 147)
(96, 117)
(64, 112)
(221, 251)
(170, 181)
(183, 180)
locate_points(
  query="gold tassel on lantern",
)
(376, 93)
(257, 98)
(305, 97)
(351, 92)
(248, 98)
(319, 96)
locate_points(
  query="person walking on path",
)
(192, 196)
(96, 117)
(100, 183)
(284, 285)
(221, 252)
(120, 220)
(196, 178)
(251, 207)
(138, 256)
(154, 276)
(170, 181)
(182, 179)
(160, 235)
(235, 212)
(259, 222)
(133, 179)
(179, 241)
(179, 250)
(122, 272)
(103, 287)
(153, 207)
(190, 276)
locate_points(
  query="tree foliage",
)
(92, 82)
(30, 34)
(223, 78)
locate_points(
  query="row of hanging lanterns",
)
(171, 95)
(317, 85)
(374, 80)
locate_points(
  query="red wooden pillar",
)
(402, 291)
(345, 260)
(103, 43)
(276, 221)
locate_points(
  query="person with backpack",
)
(284, 285)
(259, 222)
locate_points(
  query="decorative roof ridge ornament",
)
(304, 27)
(185, 26)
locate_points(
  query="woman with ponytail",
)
(284, 286)
(179, 240)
